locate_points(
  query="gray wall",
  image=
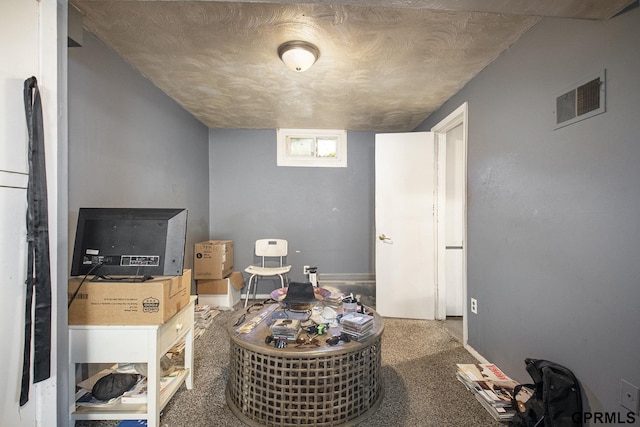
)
(326, 214)
(553, 216)
(130, 145)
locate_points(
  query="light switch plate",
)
(629, 396)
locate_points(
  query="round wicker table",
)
(306, 385)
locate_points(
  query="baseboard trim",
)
(258, 297)
(475, 354)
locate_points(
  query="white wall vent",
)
(585, 99)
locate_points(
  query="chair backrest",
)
(271, 248)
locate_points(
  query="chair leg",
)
(281, 281)
(246, 297)
(255, 288)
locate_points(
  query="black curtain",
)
(38, 269)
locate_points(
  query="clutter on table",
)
(305, 316)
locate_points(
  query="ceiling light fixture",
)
(298, 55)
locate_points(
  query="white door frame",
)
(456, 118)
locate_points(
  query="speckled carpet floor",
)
(418, 371)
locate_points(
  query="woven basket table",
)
(309, 386)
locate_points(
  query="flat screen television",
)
(135, 242)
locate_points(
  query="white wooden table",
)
(132, 344)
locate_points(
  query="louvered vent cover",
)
(584, 100)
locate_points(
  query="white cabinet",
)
(132, 344)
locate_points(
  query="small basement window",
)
(312, 148)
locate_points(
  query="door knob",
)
(383, 237)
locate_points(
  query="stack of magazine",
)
(202, 319)
(357, 325)
(138, 393)
(491, 387)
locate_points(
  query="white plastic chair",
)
(271, 251)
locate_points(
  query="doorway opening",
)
(451, 284)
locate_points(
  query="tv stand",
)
(132, 344)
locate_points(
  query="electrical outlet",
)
(305, 270)
(474, 306)
(629, 396)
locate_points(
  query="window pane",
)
(312, 148)
(327, 147)
(301, 147)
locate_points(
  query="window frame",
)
(284, 159)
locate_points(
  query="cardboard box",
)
(213, 259)
(224, 293)
(152, 302)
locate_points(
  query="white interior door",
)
(405, 225)
(19, 50)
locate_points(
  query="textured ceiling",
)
(382, 67)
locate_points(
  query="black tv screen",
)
(129, 242)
